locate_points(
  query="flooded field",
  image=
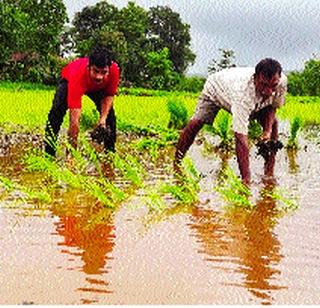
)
(75, 251)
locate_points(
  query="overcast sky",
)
(287, 30)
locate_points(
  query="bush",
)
(306, 82)
(190, 84)
(26, 67)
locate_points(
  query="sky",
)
(286, 30)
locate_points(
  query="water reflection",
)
(292, 158)
(87, 235)
(242, 241)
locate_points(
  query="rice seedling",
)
(294, 128)
(222, 128)
(42, 195)
(89, 118)
(130, 169)
(233, 191)
(153, 199)
(178, 114)
(187, 187)
(285, 202)
(100, 188)
(254, 130)
(238, 195)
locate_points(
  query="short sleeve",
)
(74, 96)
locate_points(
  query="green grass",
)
(29, 108)
(304, 107)
(28, 105)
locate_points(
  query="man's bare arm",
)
(242, 152)
(187, 137)
(106, 105)
(268, 120)
(74, 125)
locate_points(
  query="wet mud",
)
(75, 251)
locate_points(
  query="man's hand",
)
(268, 147)
(265, 136)
(73, 130)
(99, 133)
(242, 152)
(106, 105)
(102, 123)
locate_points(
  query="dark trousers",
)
(59, 109)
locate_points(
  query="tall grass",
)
(304, 107)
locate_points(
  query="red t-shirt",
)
(79, 82)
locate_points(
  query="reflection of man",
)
(245, 236)
(247, 93)
(96, 76)
(94, 241)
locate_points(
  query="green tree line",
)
(152, 46)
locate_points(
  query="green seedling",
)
(187, 187)
(130, 169)
(285, 203)
(254, 130)
(89, 119)
(222, 128)
(233, 191)
(28, 194)
(178, 114)
(294, 128)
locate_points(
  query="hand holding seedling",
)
(99, 133)
(268, 147)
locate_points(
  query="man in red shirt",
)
(96, 76)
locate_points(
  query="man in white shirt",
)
(247, 93)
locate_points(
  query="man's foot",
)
(269, 180)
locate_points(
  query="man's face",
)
(97, 74)
(265, 87)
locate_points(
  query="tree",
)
(311, 76)
(30, 35)
(133, 23)
(14, 30)
(296, 83)
(113, 40)
(226, 60)
(160, 71)
(306, 82)
(90, 21)
(167, 30)
(46, 19)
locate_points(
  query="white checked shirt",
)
(233, 89)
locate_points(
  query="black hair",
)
(268, 67)
(100, 57)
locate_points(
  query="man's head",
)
(267, 76)
(100, 60)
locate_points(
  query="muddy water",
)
(74, 251)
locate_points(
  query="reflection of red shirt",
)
(79, 82)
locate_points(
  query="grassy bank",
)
(28, 107)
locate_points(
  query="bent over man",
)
(96, 76)
(247, 93)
